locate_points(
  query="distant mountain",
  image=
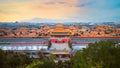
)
(111, 23)
(45, 20)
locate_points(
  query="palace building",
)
(60, 41)
(60, 30)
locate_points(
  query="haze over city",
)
(60, 10)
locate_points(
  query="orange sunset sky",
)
(71, 10)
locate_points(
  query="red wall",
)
(59, 41)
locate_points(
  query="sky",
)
(60, 10)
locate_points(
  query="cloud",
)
(77, 10)
(103, 4)
(99, 4)
(84, 4)
(61, 2)
(15, 11)
(99, 10)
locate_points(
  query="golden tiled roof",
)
(60, 28)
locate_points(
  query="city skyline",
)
(60, 10)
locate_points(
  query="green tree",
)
(49, 44)
(70, 44)
(79, 60)
(2, 59)
(102, 54)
